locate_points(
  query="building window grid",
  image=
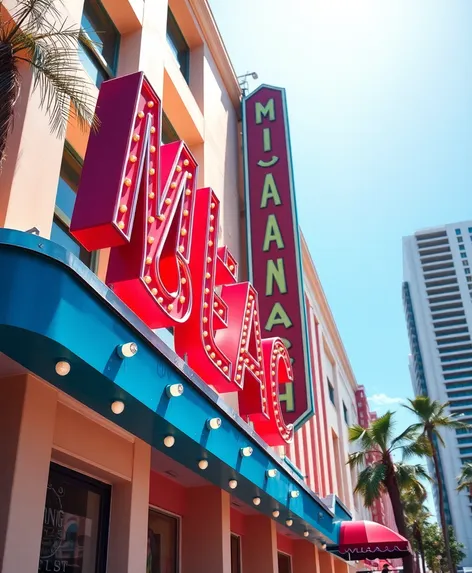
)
(458, 232)
(178, 45)
(331, 392)
(100, 56)
(65, 199)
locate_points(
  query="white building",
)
(437, 294)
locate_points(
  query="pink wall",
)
(237, 522)
(167, 494)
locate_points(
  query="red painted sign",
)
(139, 197)
(275, 267)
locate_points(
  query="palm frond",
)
(382, 431)
(409, 477)
(57, 74)
(36, 34)
(36, 14)
(465, 478)
(356, 458)
(9, 88)
(371, 483)
(419, 448)
(411, 433)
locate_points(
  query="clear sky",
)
(380, 106)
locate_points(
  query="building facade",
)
(119, 456)
(437, 294)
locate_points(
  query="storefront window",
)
(69, 177)
(285, 563)
(235, 554)
(163, 543)
(75, 525)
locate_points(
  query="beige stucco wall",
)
(44, 425)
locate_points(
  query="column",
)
(305, 558)
(206, 531)
(340, 566)
(326, 562)
(259, 545)
(27, 417)
(129, 516)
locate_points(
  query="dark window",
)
(470, 229)
(285, 563)
(460, 240)
(463, 255)
(462, 247)
(69, 177)
(235, 554)
(163, 543)
(465, 263)
(168, 132)
(75, 530)
(346, 418)
(100, 61)
(178, 45)
(458, 231)
(331, 391)
(467, 271)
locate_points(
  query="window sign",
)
(75, 524)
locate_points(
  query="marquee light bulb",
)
(233, 484)
(117, 407)
(169, 441)
(203, 464)
(289, 522)
(214, 423)
(174, 390)
(272, 473)
(306, 534)
(276, 513)
(256, 501)
(294, 493)
(246, 452)
(127, 350)
(62, 368)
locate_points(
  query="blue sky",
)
(380, 107)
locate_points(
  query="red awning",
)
(368, 540)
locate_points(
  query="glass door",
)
(75, 525)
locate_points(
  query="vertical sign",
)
(274, 255)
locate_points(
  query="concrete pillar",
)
(305, 558)
(206, 531)
(27, 417)
(259, 545)
(129, 516)
(340, 566)
(326, 562)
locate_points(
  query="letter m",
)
(265, 110)
(137, 197)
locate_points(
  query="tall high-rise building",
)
(437, 297)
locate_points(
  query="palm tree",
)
(416, 516)
(433, 417)
(35, 34)
(377, 446)
(465, 479)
